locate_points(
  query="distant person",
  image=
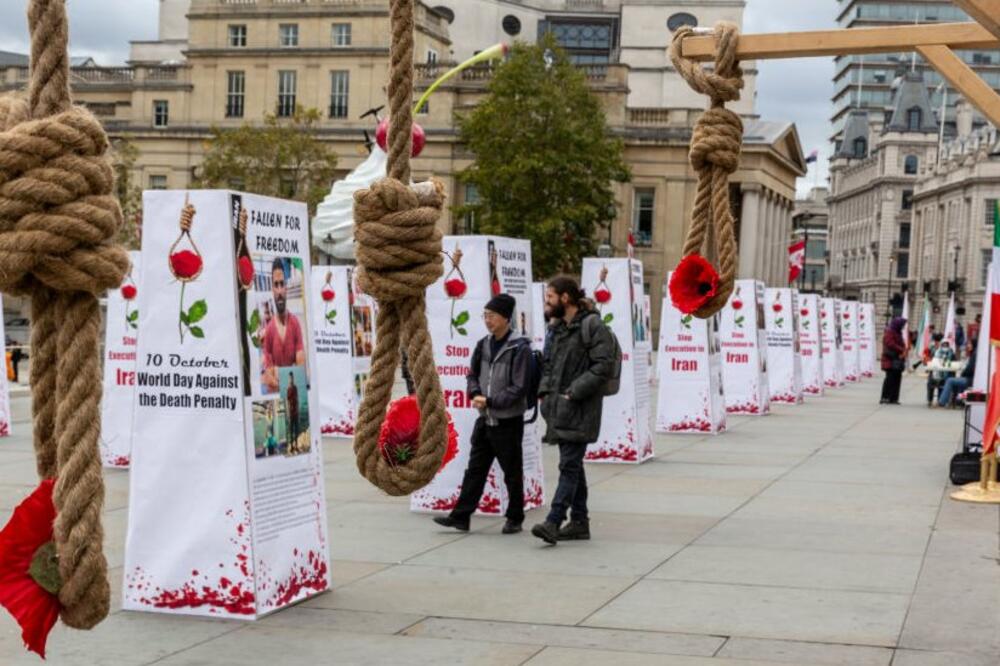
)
(15, 357)
(953, 386)
(943, 356)
(972, 332)
(292, 396)
(283, 343)
(572, 399)
(498, 387)
(893, 361)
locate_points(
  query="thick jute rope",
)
(58, 219)
(714, 154)
(398, 247)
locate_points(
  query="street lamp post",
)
(888, 291)
(954, 276)
(843, 277)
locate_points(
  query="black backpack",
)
(613, 382)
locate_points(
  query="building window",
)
(681, 19)
(425, 108)
(286, 94)
(235, 90)
(341, 34)
(587, 42)
(992, 212)
(237, 35)
(471, 197)
(984, 267)
(904, 236)
(288, 34)
(860, 147)
(157, 182)
(161, 113)
(340, 84)
(432, 57)
(511, 25)
(914, 118)
(907, 202)
(910, 164)
(643, 214)
(445, 13)
(903, 265)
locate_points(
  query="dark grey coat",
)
(502, 380)
(573, 378)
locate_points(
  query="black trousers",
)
(890, 385)
(571, 493)
(502, 443)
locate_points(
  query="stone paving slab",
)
(821, 534)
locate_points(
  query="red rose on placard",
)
(327, 294)
(693, 283)
(822, 314)
(129, 291)
(602, 295)
(400, 433)
(35, 608)
(861, 316)
(777, 307)
(455, 287)
(185, 264)
(737, 304)
(246, 271)
(847, 315)
(804, 312)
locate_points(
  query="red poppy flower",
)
(455, 287)
(693, 283)
(128, 292)
(327, 294)
(185, 264)
(602, 295)
(400, 433)
(35, 608)
(777, 307)
(246, 271)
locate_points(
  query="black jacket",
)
(573, 378)
(502, 380)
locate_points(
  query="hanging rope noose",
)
(398, 248)
(714, 154)
(58, 219)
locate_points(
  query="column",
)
(749, 240)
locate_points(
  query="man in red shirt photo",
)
(282, 345)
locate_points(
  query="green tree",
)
(124, 155)
(280, 158)
(545, 158)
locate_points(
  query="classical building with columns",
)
(873, 176)
(955, 208)
(225, 63)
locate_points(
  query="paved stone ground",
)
(821, 534)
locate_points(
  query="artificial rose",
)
(327, 294)
(128, 292)
(185, 264)
(455, 287)
(602, 295)
(777, 307)
(246, 271)
(400, 433)
(693, 283)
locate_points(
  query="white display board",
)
(485, 266)
(227, 511)
(867, 340)
(538, 315)
(850, 339)
(344, 337)
(744, 350)
(689, 365)
(833, 360)
(616, 285)
(784, 371)
(121, 332)
(5, 417)
(810, 344)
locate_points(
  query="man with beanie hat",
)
(498, 384)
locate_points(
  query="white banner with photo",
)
(5, 415)
(344, 336)
(810, 344)
(689, 366)
(617, 288)
(476, 269)
(849, 337)
(867, 340)
(227, 516)
(121, 332)
(830, 338)
(784, 371)
(744, 350)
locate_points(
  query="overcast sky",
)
(796, 90)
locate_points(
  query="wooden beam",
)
(986, 12)
(843, 42)
(966, 81)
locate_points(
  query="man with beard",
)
(282, 345)
(579, 361)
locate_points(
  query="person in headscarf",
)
(893, 360)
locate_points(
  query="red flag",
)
(992, 421)
(796, 259)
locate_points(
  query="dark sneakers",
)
(510, 527)
(448, 521)
(547, 532)
(575, 530)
